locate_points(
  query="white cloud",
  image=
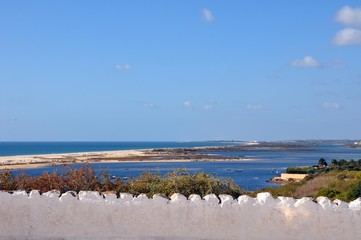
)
(331, 106)
(187, 104)
(256, 107)
(120, 67)
(348, 15)
(347, 36)
(306, 62)
(207, 15)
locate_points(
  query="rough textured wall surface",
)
(89, 215)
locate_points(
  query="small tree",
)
(343, 162)
(334, 162)
(322, 163)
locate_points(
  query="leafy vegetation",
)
(323, 166)
(85, 178)
(338, 180)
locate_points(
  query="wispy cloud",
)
(255, 107)
(199, 107)
(188, 104)
(207, 15)
(347, 36)
(305, 62)
(349, 16)
(122, 67)
(148, 105)
(331, 106)
(208, 106)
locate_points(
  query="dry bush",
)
(106, 185)
(82, 179)
(24, 182)
(72, 179)
(86, 179)
(48, 181)
(7, 181)
(311, 187)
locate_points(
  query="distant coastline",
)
(147, 155)
(58, 147)
(151, 151)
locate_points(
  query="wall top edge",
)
(264, 199)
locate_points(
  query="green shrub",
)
(147, 183)
(296, 170)
(181, 181)
(326, 192)
(354, 192)
(286, 190)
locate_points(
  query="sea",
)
(249, 175)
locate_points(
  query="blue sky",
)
(180, 70)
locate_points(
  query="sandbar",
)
(146, 155)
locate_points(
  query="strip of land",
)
(217, 153)
(149, 155)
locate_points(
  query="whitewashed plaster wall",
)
(89, 215)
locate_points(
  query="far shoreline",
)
(165, 154)
(119, 156)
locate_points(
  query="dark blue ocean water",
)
(250, 175)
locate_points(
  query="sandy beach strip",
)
(145, 155)
(40, 160)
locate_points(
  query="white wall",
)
(89, 215)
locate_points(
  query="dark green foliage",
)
(322, 163)
(322, 166)
(330, 193)
(85, 178)
(284, 190)
(355, 191)
(295, 170)
(299, 170)
(334, 163)
(342, 162)
(147, 183)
